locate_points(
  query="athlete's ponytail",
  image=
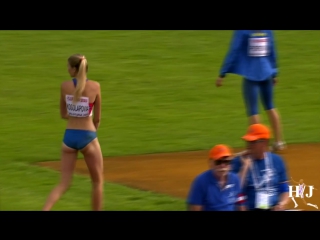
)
(81, 79)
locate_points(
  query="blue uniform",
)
(77, 138)
(252, 55)
(205, 191)
(276, 175)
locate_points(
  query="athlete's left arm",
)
(97, 107)
(283, 184)
(273, 54)
(63, 107)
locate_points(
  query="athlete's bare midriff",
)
(81, 123)
(91, 90)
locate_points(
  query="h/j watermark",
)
(299, 191)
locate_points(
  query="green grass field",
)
(158, 96)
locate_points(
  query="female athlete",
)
(78, 98)
(252, 55)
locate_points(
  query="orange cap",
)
(256, 132)
(220, 151)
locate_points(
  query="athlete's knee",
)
(268, 105)
(250, 95)
(65, 183)
(252, 110)
(254, 119)
(272, 112)
(96, 171)
(64, 186)
(97, 182)
(97, 177)
(97, 174)
(252, 107)
(267, 96)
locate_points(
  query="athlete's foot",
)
(295, 206)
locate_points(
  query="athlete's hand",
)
(219, 82)
(275, 81)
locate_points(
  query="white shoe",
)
(278, 146)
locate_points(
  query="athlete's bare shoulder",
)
(66, 84)
(94, 85)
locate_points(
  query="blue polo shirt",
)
(252, 55)
(206, 191)
(277, 174)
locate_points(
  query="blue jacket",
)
(252, 54)
(205, 191)
(277, 174)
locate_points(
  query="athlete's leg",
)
(309, 204)
(266, 90)
(68, 162)
(250, 91)
(313, 205)
(304, 201)
(94, 160)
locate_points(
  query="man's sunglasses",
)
(219, 162)
(257, 141)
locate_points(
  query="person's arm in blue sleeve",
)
(235, 165)
(196, 196)
(235, 45)
(241, 168)
(241, 197)
(273, 55)
(283, 184)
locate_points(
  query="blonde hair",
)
(79, 62)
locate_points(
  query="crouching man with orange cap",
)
(263, 174)
(217, 189)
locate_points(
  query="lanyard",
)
(255, 174)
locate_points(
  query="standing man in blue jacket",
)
(263, 175)
(252, 55)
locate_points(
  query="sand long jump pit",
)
(172, 173)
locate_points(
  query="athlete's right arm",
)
(235, 45)
(196, 196)
(63, 107)
(97, 109)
